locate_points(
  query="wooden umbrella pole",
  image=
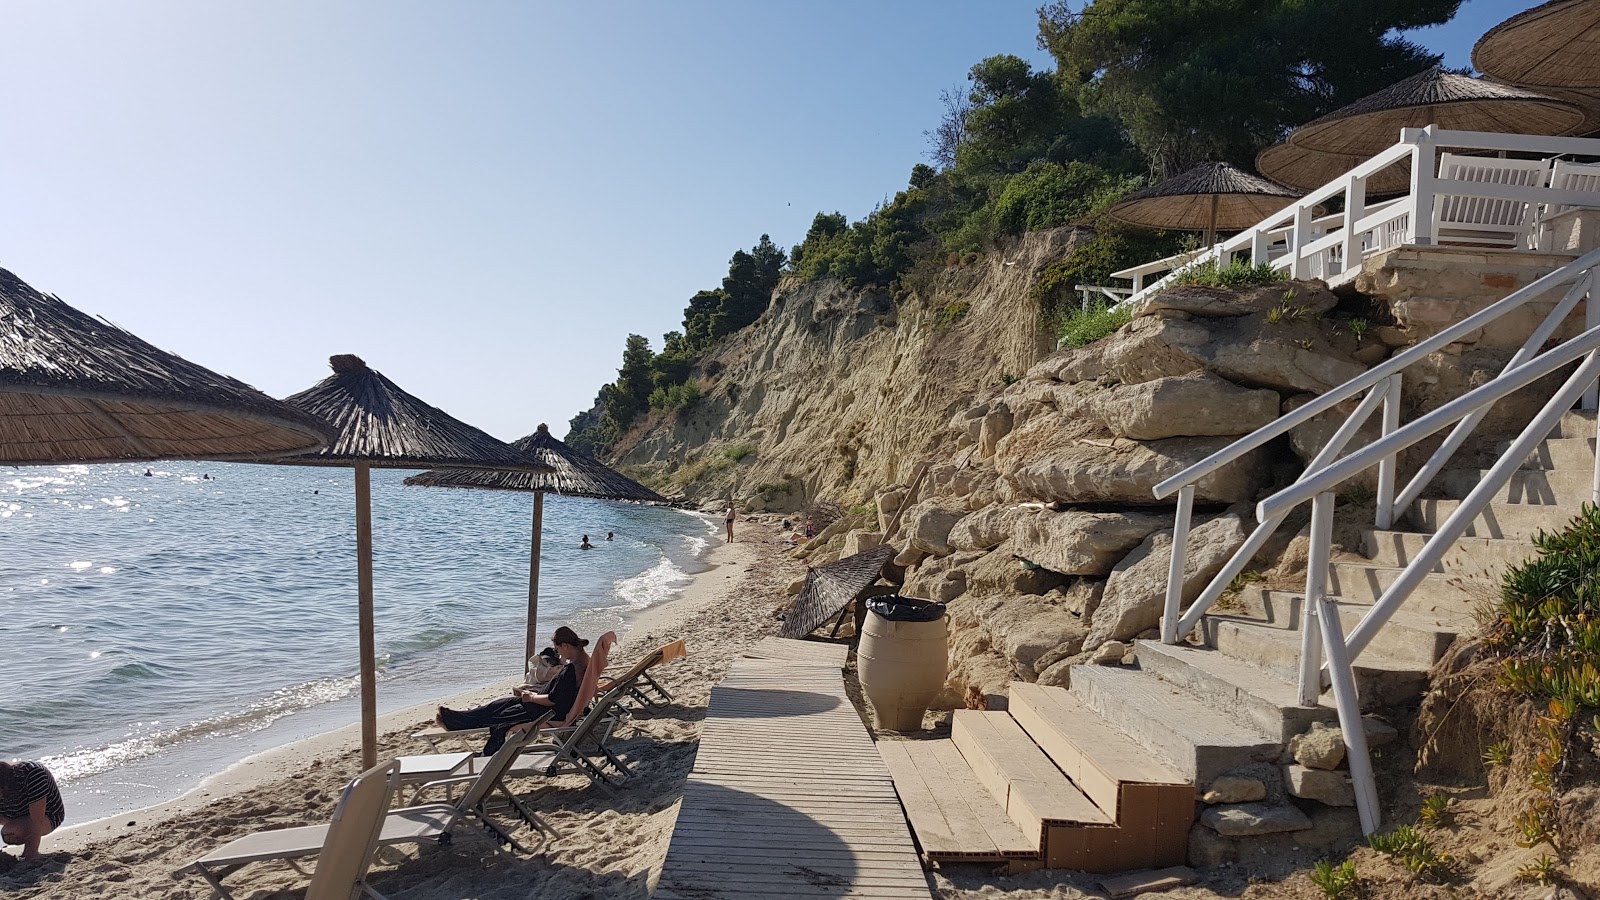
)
(532, 646)
(369, 672)
(1211, 227)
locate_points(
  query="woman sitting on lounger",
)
(561, 700)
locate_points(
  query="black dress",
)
(500, 715)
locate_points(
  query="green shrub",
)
(739, 451)
(1048, 195)
(1236, 274)
(1406, 846)
(1547, 623)
(677, 396)
(952, 313)
(1337, 882)
(1089, 325)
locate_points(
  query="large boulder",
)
(1142, 350)
(1137, 589)
(1197, 404)
(1053, 458)
(928, 525)
(1077, 542)
(1001, 572)
(985, 529)
(1308, 438)
(1291, 356)
(940, 579)
(996, 425)
(1025, 627)
(1313, 297)
(889, 503)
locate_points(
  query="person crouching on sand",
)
(561, 700)
(30, 805)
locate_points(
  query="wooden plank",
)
(957, 781)
(1012, 766)
(940, 827)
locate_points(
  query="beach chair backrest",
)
(597, 712)
(496, 767)
(629, 677)
(674, 651)
(353, 834)
(1571, 176)
(1486, 219)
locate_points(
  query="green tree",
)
(629, 395)
(1220, 79)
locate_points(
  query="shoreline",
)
(272, 764)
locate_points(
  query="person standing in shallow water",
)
(30, 805)
(728, 520)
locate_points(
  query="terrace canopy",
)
(1307, 170)
(1553, 49)
(76, 389)
(1208, 198)
(570, 473)
(379, 425)
(1435, 97)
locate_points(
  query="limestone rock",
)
(1251, 819)
(1197, 404)
(1000, 572)
(1308, 438)
(928, 525)
(1208, 302)
(1378, 731)
(1052, 458)
(1083, 596)
(910, 556)
(1290, 356)
(1076, 542)
(1324, 786)
(1136, 592)
(1320, 748)
(1235, 789)
(1207, 848)
(1370, 354)
(985, 529)
(995, 425)
(1023, 627)
(888, 504)
(1109, 654)
(860, 542)
(796, 586)
(940, 579)
(1146, 348)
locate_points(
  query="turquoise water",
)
(159, 628)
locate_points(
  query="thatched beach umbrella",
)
(380, 425)
(1435, 97)
(1207, 198)
(75, 389)
(1307, 170)
(1554, 45)
(570, 474)
(830, 588)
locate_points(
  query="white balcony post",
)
(1355, 206)
(1423, 168)
(1299, 236)
(1354, 730)
(1180, 541)
(1386, 469)
(1310, 682)
(1259, 252)
(1591, 318)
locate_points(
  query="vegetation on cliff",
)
(1141, 89)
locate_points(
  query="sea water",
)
(155, 629)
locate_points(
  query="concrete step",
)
(1415, 633)
(954, 817)
(1364, 582)
(1483, 559)
(1027, 785)
(1267, 701)
(1381, 679)
(1151, 803)
(1515, 521)
(1200, 741)
(1575, 423)
(1570, 454)
(1568, 486)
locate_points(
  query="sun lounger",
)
(646, 689)
(434, 822)
(1460, 219)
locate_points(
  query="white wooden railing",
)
(1304, 244)
(1325, 652)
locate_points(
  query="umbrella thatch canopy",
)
(1308, 170)
(1435, 97)
(570, 474)
(1554, 45)
(75, 389)
(1209, 197)
(829, 589)
(381, 425)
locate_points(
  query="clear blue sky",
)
(481, 199)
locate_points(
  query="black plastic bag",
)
(896, 608)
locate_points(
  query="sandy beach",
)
(606, 843)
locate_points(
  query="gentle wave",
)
(651, 587)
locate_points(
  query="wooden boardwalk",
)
(788, 796)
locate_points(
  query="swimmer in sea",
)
(586, 545)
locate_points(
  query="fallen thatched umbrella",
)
(1435, 97)
(830, 588)
(1308, 170)
(570, 473)
(1207, 198)
(380, 425)
(75, 389)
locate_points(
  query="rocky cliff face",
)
(835, 393)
